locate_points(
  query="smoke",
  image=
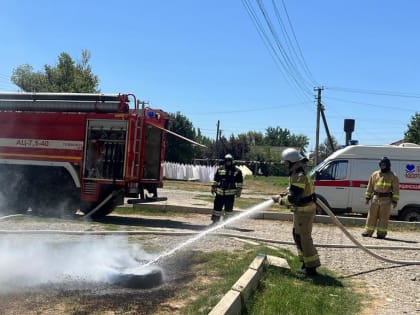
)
(32, 262)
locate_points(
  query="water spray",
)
(150, 275)
(147, 273)
(260, 207)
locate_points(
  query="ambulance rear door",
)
(360, 171)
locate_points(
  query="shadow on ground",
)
(155, 223)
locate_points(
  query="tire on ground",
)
(147, 280)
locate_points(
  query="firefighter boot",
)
(366, 234)
(308, 271)
(214, 220)
(311, 272)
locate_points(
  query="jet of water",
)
(260, 207)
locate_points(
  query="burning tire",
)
(147, 280)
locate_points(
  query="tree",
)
(65, 76)
(325, 149)
(283, 137)
(277, 137)
(179, 150)
(413, 133)
(255, 138)
(238, 146)
(201, 152)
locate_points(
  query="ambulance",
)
(341, 179)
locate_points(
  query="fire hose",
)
(99, 206)
(265, 205)
(357, 243)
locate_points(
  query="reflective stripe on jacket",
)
(383, 185)
(301, 190)
(227, 180)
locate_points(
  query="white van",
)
(341, 179)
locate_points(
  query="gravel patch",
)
(394, 288)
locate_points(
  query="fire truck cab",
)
(341, 179)
(61, 152)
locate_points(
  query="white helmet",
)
(291, 155)
(229, 157)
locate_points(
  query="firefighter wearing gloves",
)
(227, 185)
(382, 192)
(300, 198)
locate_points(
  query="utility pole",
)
(327, 130)
(217, 139)
(318, 112)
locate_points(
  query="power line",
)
(5, 76)
(8, 86)
(6, 83)
(300, 57)
(374, 92)
(256, 109)
(288, 63)
(284, 68)
(262, 34)
(373, 105)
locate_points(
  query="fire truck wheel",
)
(147, 280)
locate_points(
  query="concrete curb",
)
(234, 300)
(271, 215)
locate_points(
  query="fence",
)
(201, 173)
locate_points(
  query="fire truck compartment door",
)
(105, 149)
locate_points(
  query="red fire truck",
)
(69, 151)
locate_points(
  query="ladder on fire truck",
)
(137, 142)
(140, 125)
(64, 102)
(45, 102)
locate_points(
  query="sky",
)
(246, 64)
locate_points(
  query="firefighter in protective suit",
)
(383, 191)
(300, 198)
(227, 185)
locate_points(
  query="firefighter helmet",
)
(228, 157)
(292, 155)
(386, 161)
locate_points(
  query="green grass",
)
(283, 292)
(130, 210)
(280, 291)
(241, 203)
(258, 185)
(396, 226)
(262, 184)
